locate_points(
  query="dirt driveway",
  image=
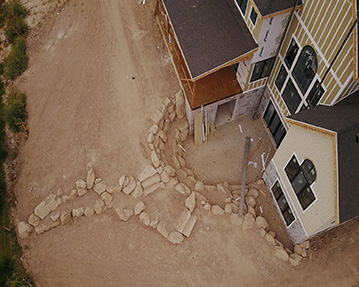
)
(98, 69)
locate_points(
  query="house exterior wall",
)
(324, 25)
(320, 149)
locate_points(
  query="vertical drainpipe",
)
(277, 53)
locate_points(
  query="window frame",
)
(303, 191)
(263, 73)
(279, 127)
(282, 204)
(239, 3)
(255, 15)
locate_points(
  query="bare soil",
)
(98, 69)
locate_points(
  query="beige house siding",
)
(319, 148)
(322, 24)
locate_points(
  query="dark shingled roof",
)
(268, 7)
(210, 32)
(342, 118)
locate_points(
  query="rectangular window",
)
(262, 69)
(242, 5)
(315, 94)
(274, 124)
(291, 97)
(282, 75)
(254, 16)
(291, 54)
(282, 203)
(299, 183)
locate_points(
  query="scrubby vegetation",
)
(16, 62)
(13, 113)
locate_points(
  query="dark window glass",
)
(291, 53)
(292, 168)
(257, 71)
(315, 94)
(309, 171)
(282, 75)
(253, 16)
(262, 69)
(305, 68)
(291, 97)
(274, 124)
(301, 177)
(243, 5)
(267, 68)
(269, 113)
(282, 203)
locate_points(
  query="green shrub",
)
(6, 268)
(17, 60)
(15, 114)
(16, 28)
(2, 68)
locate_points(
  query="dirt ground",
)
(97, 70)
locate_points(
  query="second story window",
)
(254, 16)
(291, 53)
(242, 5)
(262, 69)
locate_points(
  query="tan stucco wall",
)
(319, 148)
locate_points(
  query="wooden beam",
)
(244, 177)
(198, 130)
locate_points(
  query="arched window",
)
(309, 171)
(306, 68)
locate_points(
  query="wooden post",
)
(244, 176)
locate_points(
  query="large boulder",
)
(33, 220)
(280, 253)
(45, 207)
(261, 222)
(24, 229)
(175, 237)
(248, 221)
(139, 207)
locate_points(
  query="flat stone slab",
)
(146, 173)
(187, 230)
(182, 220)
(175, 237)
(151, 180)
(46, 206)
(151, 189)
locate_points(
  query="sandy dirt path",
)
(97, 71)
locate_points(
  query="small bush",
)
(15, 114)
(6, 268)
(17, 60)
(16, 28)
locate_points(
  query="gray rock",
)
(121, 181)
(154, 222)
(81, 191)
(65, 217)
(207, 206)
(217, 210)
(157, 117)
(46, 225)
(78, 212)
(33, 220)
(162, 229)
(154, 159)
(305, 244)
(99, 188)
(251, 210)
(124, 213)
(280, 253)
(261, 222)
(182, 220)
(187, 230)
(154, 129)
(145, 218)
(90, 179)
(45, 207)
(165, 177)
(55, 215)
(130, 187)
(81, 183)
(99, 206)
(113, 189)
(250, 201)
(236, 220)
(298, 249)
(262, 232)
(180, 105)
(175, 237)
(190, 202)
(151, 189)
(147, 173)
(24, 229)
(150, 138)
(107, 198)
(248, 221)
(183, 189)
(228, 208)
(199, 186)
(138, 191)
(253, 193)
(89, 211)
(139, 207)
(151, 180)
(295, 259)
